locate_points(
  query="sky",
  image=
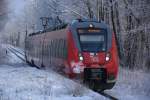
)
(14, 22)
(16, 6)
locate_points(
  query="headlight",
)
(107, 57)
(80, 57)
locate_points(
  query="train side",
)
(47, 49)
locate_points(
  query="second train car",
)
(84, 48)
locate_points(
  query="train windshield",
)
(92, 38)
(92, 41)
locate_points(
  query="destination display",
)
(82, 31)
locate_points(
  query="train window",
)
(45, 49)
(52, 48)
(59, 47)
(65, 48)
(50, 51)
(49, 48)
(93, 43)
(64, 45)
(36, 48)
(92, 40)
(61, 51)
(56, 49)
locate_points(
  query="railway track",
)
(108, 96)
(21, 55)
(17, 51)
(103, 93)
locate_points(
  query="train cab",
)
(92, 53)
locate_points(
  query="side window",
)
(57, 47)
(52, 48)
(47, 53)
(62, 45)
(60, 48)
(65, 48)
(49, 45)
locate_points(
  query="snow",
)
(132, 85)
(25, 83)
(19, 81)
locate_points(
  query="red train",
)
(84, 48)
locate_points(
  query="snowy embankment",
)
(26, 83)
(18, 81)
(132, 85)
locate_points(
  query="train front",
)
(92, 53)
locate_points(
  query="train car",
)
(84, 48)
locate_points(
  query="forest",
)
(129, 20)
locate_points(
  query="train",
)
(85, 49)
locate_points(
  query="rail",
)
(14, 51)
(108, 96)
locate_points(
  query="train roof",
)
(85, 23)
(78, 23)
(58, 27)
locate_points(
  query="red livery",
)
(84, 48)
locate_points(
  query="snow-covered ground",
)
(18, 81)
(132, 85)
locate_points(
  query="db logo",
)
(95, 59)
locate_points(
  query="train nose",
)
(93, 58)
